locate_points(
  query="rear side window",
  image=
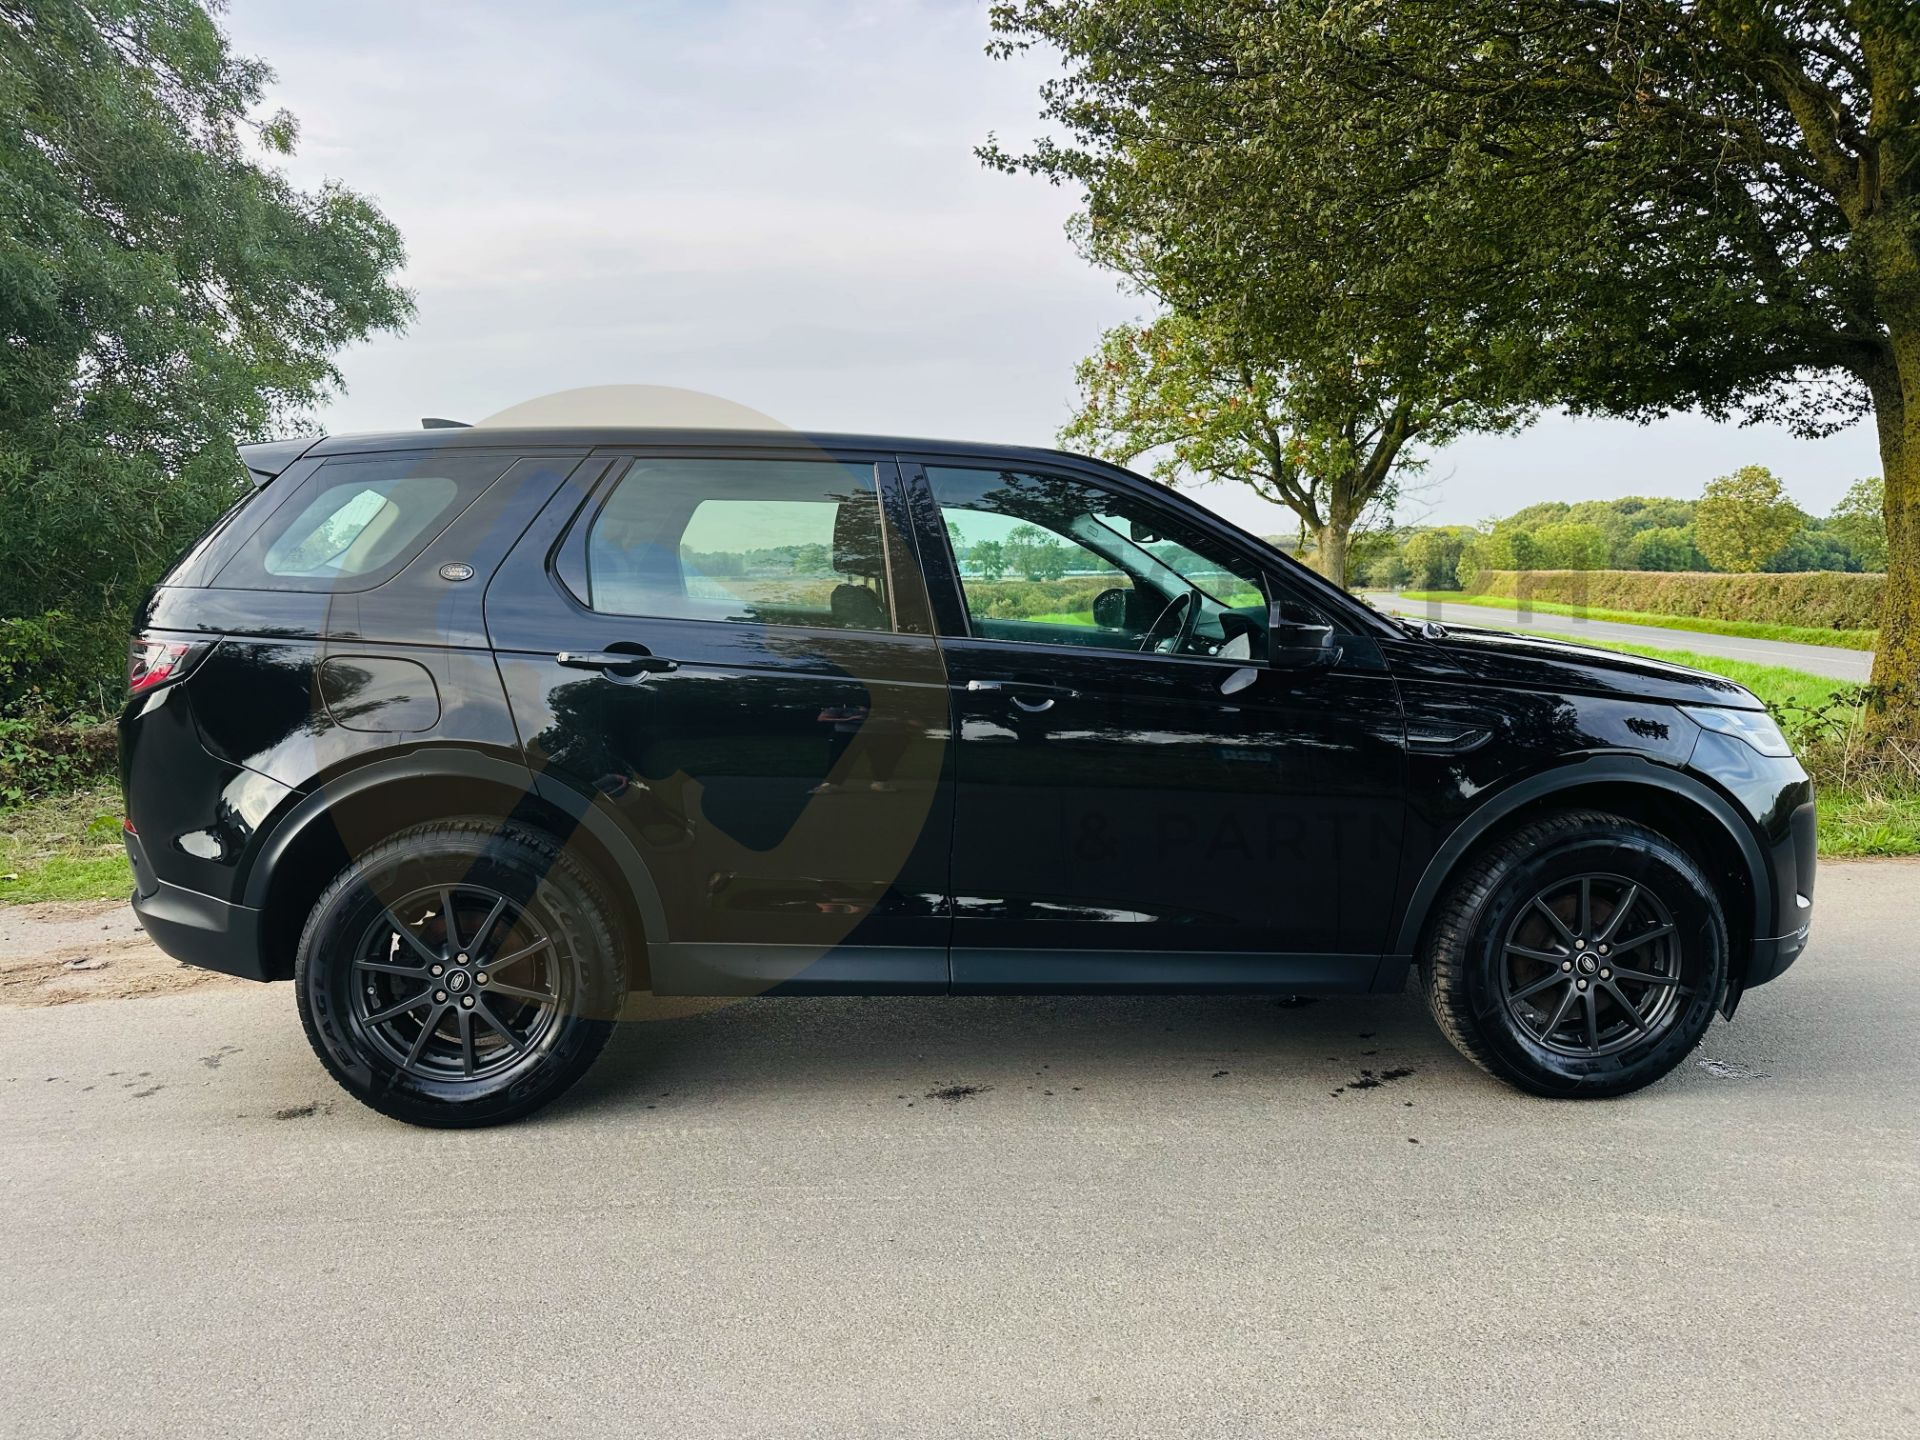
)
(351, 529)
(769, 542)
(355, 523)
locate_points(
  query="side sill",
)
(695, 968)
(1168, 972)
(692, 968)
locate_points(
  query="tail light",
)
(152, 662)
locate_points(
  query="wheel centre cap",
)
(1588, 964)
(458, 980)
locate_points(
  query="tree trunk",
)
(1896, 660)
(1330, 550)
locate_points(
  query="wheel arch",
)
(352, 811)
(1694, 816)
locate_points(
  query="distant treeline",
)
(1743, 524)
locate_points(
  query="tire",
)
(522, 1002)
(1519, 999)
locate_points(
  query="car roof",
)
(574, 436)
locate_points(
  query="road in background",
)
(1189, 1216)
(1828, 660)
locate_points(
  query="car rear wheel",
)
(459, 974)
(1583, 954)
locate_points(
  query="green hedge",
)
(1826, 599)
(1023, 599)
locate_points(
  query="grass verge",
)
(66, 847)
(1742, 629)
(1868, 820)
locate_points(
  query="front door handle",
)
(1035, 697)
(616, 662)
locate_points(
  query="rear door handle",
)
(618, 662)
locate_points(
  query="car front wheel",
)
(1581, 955)
(459, 974)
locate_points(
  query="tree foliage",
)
(1744, 519)
(1032, 552)
(1332, 444)
(1623, 519)
(1860, 520)
(1665, 547)
(1638, 532)
(164, 292)
(1813, 547)
(988, 558)
(1588, 535)
(1624, 206)
(1432, 557)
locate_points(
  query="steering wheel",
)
(1181, 611)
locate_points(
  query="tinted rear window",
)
(768, 542)
(354, 523)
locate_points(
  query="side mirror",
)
(1296, 645)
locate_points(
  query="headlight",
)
(1755, 727)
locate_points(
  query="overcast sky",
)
(778, 203)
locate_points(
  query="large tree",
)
(1860, 521)
(1638, 205)
(1333, 445)
(164, 291)
(1744, 519)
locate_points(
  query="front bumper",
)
(1795, 861)
(1771, 957)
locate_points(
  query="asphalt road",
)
(1153, 1218)
(1815, 659)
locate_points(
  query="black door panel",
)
(1124, 803)
(1161, 809)
(788, 787)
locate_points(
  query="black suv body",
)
(475, 731)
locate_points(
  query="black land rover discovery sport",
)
(471, 732)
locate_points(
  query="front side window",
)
(1049, 560)
(769, 542)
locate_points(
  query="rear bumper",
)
(203, 931)
(195, 928)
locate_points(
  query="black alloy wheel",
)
(1593, 965)
(1579, 954)
(458, 982)
(461, 973)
